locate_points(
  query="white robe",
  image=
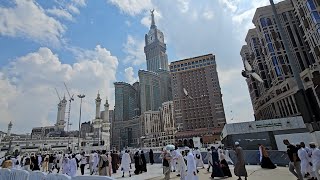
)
(209, 157)
(181, 166)
(227, 156)
(125, 162)
(39, 160)
(199, 162)
(191, 167)
(173, 160)
(73, 167)
(59, 158)
(316, 162)
(305, 159)
(95, 162)
(66, 166)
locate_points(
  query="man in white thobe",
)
(73, 166)
(125, 163)
(59, 159)
(315, 159)
(39, 160)
(191, 167)
(181, 165)
(173, 160)
(95, 162)
(209, 159)
(66, 165)
(91, 160)
(305, 161)
(198, 158)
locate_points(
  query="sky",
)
(89, 45)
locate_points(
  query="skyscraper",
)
(197, 97)
(275, 97)
(155, 82)
(155, 48)
(125, 125)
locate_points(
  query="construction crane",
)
(58, 94)
(70, 100)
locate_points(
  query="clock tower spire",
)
(153, 24)
(155, 48)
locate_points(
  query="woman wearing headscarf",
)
(137, 163)
(224, 164)
(151, 156)
(216, 169)
(144, 162)
(264, 158)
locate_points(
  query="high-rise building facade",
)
(125, 125)
(197, 97)
(125, 101)
(275, 97)
(155, 48)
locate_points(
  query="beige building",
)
(197, 97)
(275, 97)
(159, 126)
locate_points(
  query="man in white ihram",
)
(125, 163)
(315, 159)
(181, 165)
(173, 162)
(198, 158)
(305, 161)
(95, 162)
(191, 167)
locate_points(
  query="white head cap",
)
(236, 143)
(187, 148)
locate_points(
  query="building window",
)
(311, 6)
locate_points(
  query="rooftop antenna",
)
(69, 111)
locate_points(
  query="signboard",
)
(268, 125)
(196, 142)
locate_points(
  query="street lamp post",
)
(81, 96)
(302, 101)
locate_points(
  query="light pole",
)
(81, 96)
(301, 98)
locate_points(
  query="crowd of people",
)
(304, 161)
(186, 162)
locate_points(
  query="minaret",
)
(9, 129)
(59, 112)
(106, 112)
(98, 103)
(62, 115)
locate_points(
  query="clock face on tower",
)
(151, 38)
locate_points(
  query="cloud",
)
(129, 75)
(80, 3)
(208, 14)
(61, 13)
(184, 5)
(27, 86)
(27, 19)
(132, 7)
(134, 49)
(230, 4)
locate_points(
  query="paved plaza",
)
(254, 172)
